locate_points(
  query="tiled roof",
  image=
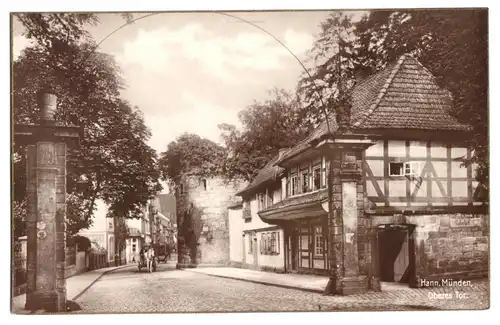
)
(269, 172)
(403, 95)
(320, 131)
(300, 199)
(408, 98)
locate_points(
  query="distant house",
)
(156, 224)
(408, 209)
(101, 232)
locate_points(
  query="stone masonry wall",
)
(211, 218)
(448, 245)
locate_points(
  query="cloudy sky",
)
(189, 72)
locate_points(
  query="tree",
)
(324, 89)
(267, 127)
(190, 153)
(452, 44)
(114, 156)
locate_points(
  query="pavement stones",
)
(188, 291)
(75, 286)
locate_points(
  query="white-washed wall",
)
(235, 217)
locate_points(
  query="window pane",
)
(317, 179)
(305, 183)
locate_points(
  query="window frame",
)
(250, 244)
(408, 168)
(316, 170)
(294, 185)
(319, 250)
(270, 198)
(304, 186)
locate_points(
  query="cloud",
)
(192, 78)
(202, 118)
(298, 42)
(222, 57)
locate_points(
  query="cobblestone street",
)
(171, 291)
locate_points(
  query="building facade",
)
(255, 244)
(404, 207)
(154, 225)
(202, 215)
(102, 231)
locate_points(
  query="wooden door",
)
(402, 260)
(394, 254)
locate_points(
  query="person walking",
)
(150, 258)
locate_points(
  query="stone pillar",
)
(46, 212)
(46, 240)
(355, 241)
(350, 246)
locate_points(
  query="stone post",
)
(349, 244)
(46, 196)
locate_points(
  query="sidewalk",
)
(477, 294)
(75, 286)
(310, 283)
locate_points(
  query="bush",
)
(83, 243)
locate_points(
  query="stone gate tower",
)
(202, 218)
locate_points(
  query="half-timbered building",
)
(408, 208)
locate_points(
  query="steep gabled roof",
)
(408, 97)
(403, 95)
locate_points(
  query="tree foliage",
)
(452, 44)
(114, 157)
(267, 127)
(191, 154)
(324, 89)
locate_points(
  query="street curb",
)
(97, 279)
(261, 282)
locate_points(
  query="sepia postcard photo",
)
(250, 161)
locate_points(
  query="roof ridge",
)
(364, 116)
